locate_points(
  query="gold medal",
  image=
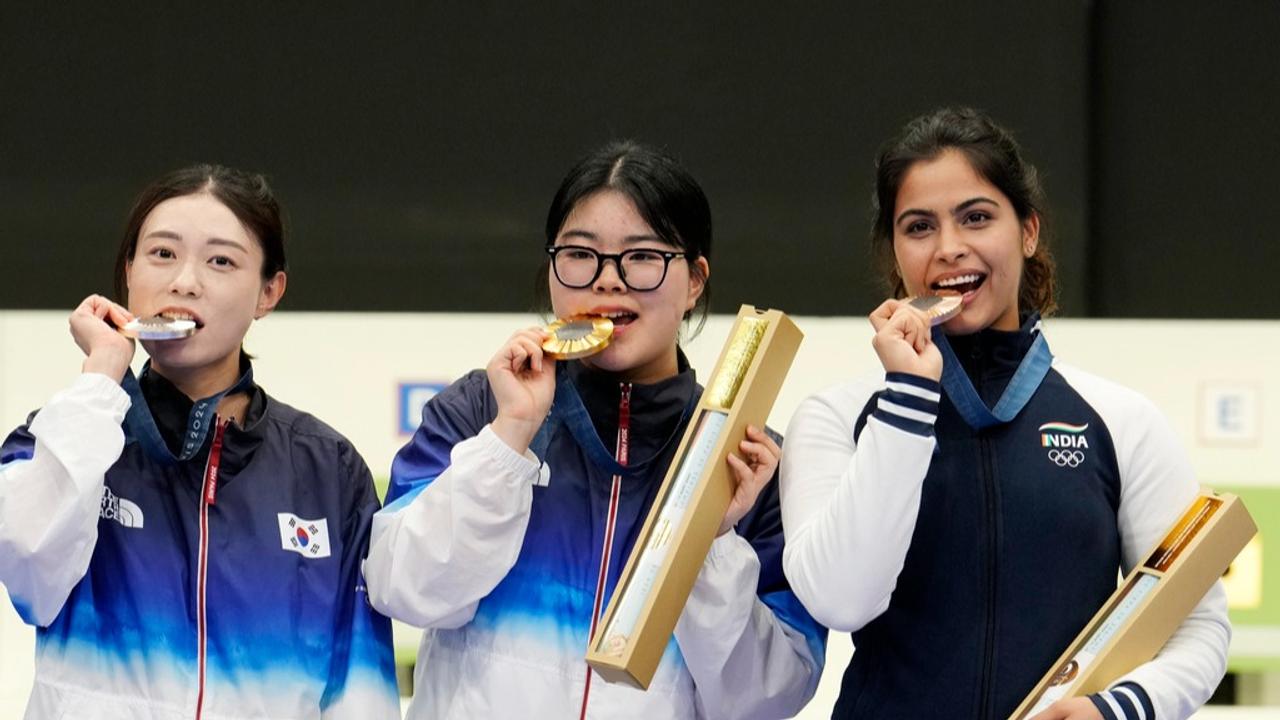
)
(577, 337)
(158, 327)
(938, 308)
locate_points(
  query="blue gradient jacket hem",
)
(288, 631)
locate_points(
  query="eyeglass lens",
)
(640, 269)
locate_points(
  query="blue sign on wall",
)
(413, 395)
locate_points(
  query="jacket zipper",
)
(208, 497)
(989, 495)
(621, 451)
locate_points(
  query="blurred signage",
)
(413, 396)
(1230, 413)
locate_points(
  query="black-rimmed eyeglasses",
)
(640, 269)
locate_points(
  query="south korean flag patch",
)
(308, 538)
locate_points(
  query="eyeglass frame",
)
(667, 257)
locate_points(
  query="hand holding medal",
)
(93, 327)
(100, 327)
(903, 338)
(522, 374)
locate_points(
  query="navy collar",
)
(140, 423)
(1026, 378)
(655, 407)
(992, 355)
(672, 398)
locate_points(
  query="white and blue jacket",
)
(500, 555)
(177, 567)
(965, 561)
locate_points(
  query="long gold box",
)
(1154, 599)
(669, 552)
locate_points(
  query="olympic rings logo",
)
(1066, 458)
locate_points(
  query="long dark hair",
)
(247, 195)
(665, 194)
(994, 154)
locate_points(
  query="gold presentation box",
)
(690, 505)
(1151, 603)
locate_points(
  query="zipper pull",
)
(215, 458)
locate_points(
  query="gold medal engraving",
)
(577, 337)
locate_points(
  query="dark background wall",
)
(1185, 195)
(417, 148)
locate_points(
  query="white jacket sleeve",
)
(435, 554)
(745, 662)
(1157, 485)
(850, 508)
(49, 504)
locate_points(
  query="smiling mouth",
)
(961, 283)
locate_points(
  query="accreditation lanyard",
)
(1030, 373)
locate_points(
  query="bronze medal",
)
(939, 308)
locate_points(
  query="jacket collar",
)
(991, 354)
(656, 408)
(173, 428)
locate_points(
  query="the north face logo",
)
(125, 512)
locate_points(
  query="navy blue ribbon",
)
(142, 425)
(568, 410)
(1026, 380)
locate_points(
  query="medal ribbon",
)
(567, 409)
(1027, 378)
(202, 417)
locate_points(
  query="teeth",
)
(962, 280)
